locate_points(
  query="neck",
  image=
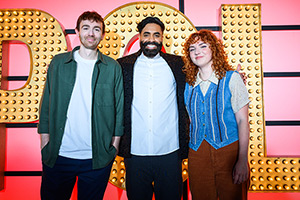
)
(205, 72)
(88, 54)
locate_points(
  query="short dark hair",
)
(92, 16)
(150, 20)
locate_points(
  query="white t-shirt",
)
(77, 142)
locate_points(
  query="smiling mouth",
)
(90, 39)
(151, 46)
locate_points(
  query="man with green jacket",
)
(81, 116)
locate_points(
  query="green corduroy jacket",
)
(107, 106)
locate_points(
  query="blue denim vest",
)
(212, 118)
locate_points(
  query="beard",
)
(150, 53)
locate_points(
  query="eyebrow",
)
(147, 32)
(86, 25)
(194, 45)
(201, 43)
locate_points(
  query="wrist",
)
(243, 158)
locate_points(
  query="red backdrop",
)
(279, 50)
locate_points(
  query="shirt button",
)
(203, 113)
(203, 124)
(202, 101)
(204, 135)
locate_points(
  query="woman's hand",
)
(240, 171)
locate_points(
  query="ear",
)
(77, 32)
(102, 36)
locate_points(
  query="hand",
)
(243, 74)
(240, 171)
(117, 150)
(44, 139)
(115, 141)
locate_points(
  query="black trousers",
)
(161, 175)
(58, 182)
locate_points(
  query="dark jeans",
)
(58, 182)
(159, 174)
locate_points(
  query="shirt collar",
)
(212, 79)
(142, 56)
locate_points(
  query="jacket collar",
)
(71, 56)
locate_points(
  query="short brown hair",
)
(92, 16)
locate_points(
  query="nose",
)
(197, 51)
(91, 32)
(151, 38)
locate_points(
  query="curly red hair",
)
(219, 58)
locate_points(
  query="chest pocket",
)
(104, 94)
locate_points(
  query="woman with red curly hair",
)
(217, 102)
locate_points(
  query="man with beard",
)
(154, 141)
(81, 116)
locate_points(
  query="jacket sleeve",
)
(43, 126)
(119, 101)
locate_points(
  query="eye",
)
(191, 49)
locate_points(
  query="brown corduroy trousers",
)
(210, 173)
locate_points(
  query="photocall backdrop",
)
(31, 35)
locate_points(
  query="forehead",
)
(87, 22)
(152, 27)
